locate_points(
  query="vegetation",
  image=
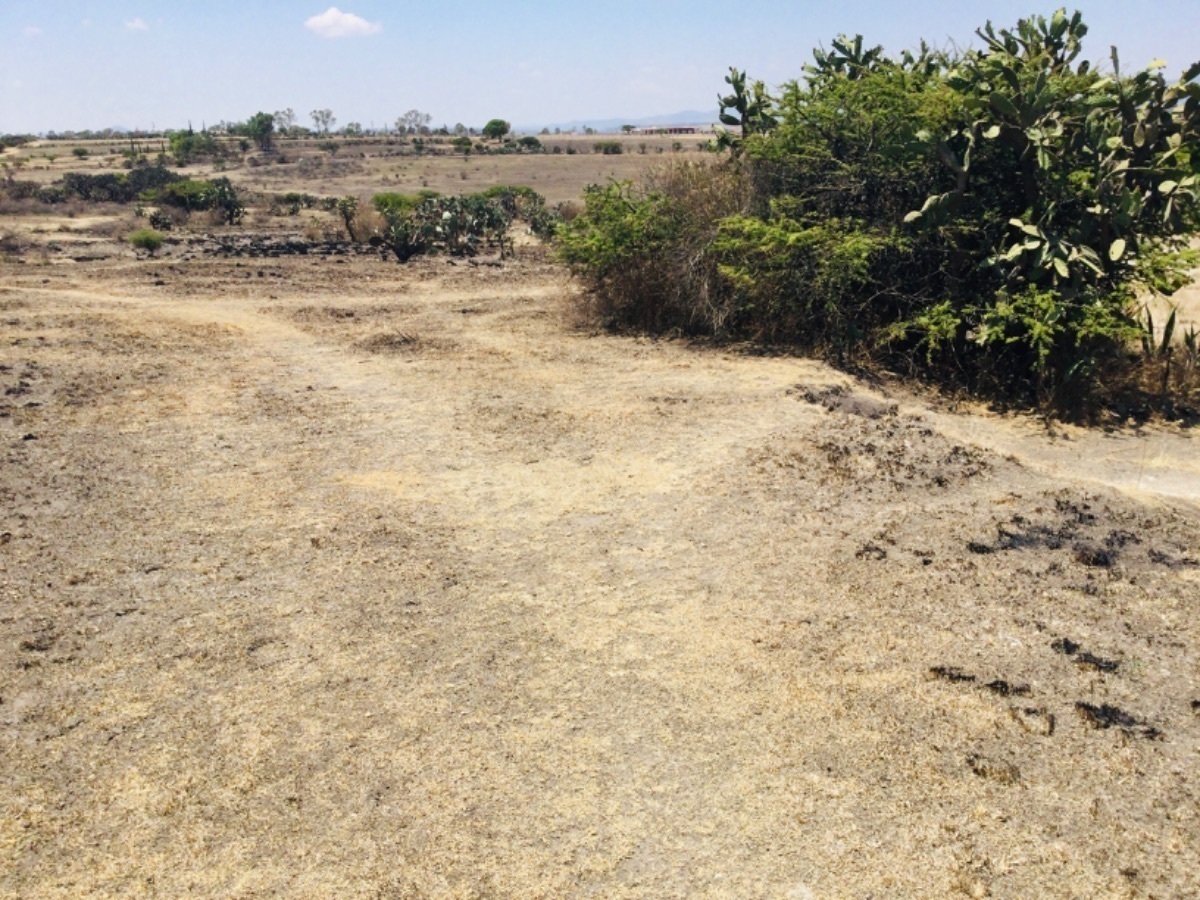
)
(188, 146)
(146, 239)
(414, 122)
(496, 129)
(261, 129)
(526, 204)
(986, 217)
(285, 121)
(461, 226)
(400, 204)
(117, 187)
(323, 119)
(219, 195)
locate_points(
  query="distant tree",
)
(323, 119)
(261, 128)
(496, 129)
(285, 120)
(188, 145)
(529, 142)
(628, 129)
(353, 129)
(460, 129)
(414, 122)
(589, 130)
(462, 144)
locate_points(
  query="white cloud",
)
(32, 31)
(137, 25)
(333, 23)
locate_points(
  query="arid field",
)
(326, 576)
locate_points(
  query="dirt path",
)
(393, 583)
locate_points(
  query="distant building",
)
(668, 129)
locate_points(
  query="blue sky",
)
(73, 64)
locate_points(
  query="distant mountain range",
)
(687, 117)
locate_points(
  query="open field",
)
(332, 577)
(364, 167)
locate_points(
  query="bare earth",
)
(341, 579)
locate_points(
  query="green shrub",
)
(146, 239)
(608, 148)
(189, 146)
(455, 225)
(161, 219)
(395, 204)
(51, 194)
(117, 187)
(520, 202)
(986, 216)
(645, 251)
(189, 194)
(294, 201)
(79, 152)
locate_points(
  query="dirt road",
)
(343, 579)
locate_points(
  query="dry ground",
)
(365, 167)
(330, 578)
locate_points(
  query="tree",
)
(628, 129)
(261, 127)
(414, 122)
(188, 145)
(496, 129)
(353, 129)
(285, 120)
(460, 129)
(323, 119)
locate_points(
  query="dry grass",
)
(518, 611)
(368, 166)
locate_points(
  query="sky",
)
(90, 64)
